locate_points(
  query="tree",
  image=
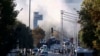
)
(7, 22)
(90, 22)
(24, 36)
(38, 34)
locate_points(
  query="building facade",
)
(37, 17)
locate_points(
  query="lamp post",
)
(29, 23)
(29, 12)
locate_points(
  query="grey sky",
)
(73, 1)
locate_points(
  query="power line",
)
(69, 17)
(70, 13)
(72, 18)
(69, 20)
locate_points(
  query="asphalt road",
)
(56, 54)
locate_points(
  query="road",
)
(49, 54)
(57, 54)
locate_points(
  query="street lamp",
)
(20, 10)
(18, 46)
(29, 12)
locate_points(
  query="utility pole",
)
(72, 16)
(62, 26)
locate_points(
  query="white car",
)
(44, 53)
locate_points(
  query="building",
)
(37, 17)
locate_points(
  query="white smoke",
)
(51, 10)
